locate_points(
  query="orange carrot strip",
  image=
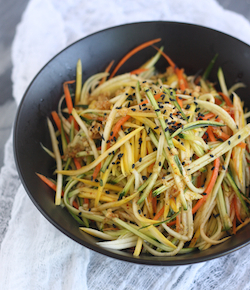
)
(111, 229)
(217, 101)
(207, 116)
(171, 223)
(198, 181)
(150, 197)
(209, 186)
(178, 223)
(68, 99)
(157, 96)
(179, 101)
(210, 134)
(77, 163)
(242, 145)
(86, 200)
(138, 71)
(47, 181)
(75, 204)
(168, 59)
(106, 70)
(197, 80)
(154, 203)
(94, 117)
(181, 79)
(56, 120)
(237, 210)
(118, 126)
(97, 169)
(226, 99)
(159, 214)
(220, 134)
(234, 225)
(132, 52)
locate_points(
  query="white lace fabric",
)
(34, 254)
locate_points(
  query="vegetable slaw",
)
(152, 162)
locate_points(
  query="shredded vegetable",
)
(149, 162)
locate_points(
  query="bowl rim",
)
(136, 260)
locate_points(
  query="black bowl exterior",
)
(189, 46)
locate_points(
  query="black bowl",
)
(190, 46)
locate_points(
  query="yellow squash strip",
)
(101, 157)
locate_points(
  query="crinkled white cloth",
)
(35, 255)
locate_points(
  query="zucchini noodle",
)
(156, 163)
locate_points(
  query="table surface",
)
(10, 15)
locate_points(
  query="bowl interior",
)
(190, 46)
